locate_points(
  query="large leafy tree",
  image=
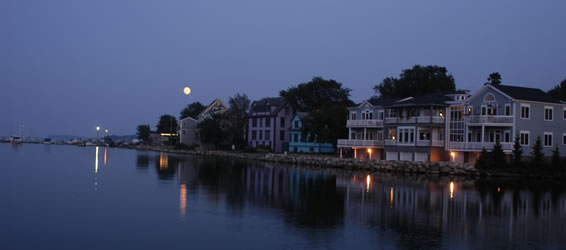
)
(317, 93)
(167, 124)
(327, 102)
(237, 116)
(327, 124)
(143, 132)
(192, 110)
(210, 129)
(494, 79)
(559, 91)
(418, 81)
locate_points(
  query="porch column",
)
(340, 153)
(482, 134)
(365, 135)
(350, 134)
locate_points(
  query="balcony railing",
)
(428, 143)
(390, 142)
(415, 119)
(489, 119)
(359, 143)
(478, 145)
(364, 123)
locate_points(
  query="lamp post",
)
(97, 132)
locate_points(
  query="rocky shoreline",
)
(321, 161)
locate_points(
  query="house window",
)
(254, 135)
(507, 136)
(441, 134)
(261, 122)
(261, 134)
(282, 135)
(392, 113)
(363, 115)
(548, 139)
(380, 136)
(392, 135)
(525, 111)
(254, 122)
(296, 124)
(483, 110)
(296, 137)
(524, 138)
(548, 113)
(282, 122)
(563, 139)
(424, 134)
(564, 114)
(267, 135)
(353, 115)
(507, 109)
(268, 122)
(491, 109)
(380, 115)
(370, 116)
(406, 135)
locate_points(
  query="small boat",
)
(16, 140)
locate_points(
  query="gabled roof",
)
(526, 94)
(383, 101)
(302, 115)
(210, 107)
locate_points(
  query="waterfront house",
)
(499, 113)
(269, 123)
(188, 127)
(456, 126)
(300, 143)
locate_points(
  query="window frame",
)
(551, 108)
(544, 141)
(507, 108)
(527, 139)
(528, 113)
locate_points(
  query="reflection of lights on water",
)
(451, 189)
(105, 149)
(391, 201)
(183, 201)
(96, 161)
(163, 161)
(367, 182)
(498, 189)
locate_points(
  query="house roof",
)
(425, 100)
(216, 102)
(302, 115)
(383, 101)
(526, 94)
(265, 104)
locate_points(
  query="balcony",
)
(359, 143)
(428, 143)
(390, 142)
(478, 146)
(416, 119)
(491, 119)
(364, 123)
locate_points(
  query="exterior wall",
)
(274, 139)
(537, 126)
(188, 131)
(478, 99)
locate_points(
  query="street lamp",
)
(97, 131)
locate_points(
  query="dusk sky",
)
(68, 66)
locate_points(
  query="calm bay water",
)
(67, 197)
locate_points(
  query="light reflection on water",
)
(223, 203)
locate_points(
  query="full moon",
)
(187, 90)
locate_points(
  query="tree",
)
(237, 116)
(317, 93)
(192, 110)
(327, 124)
(517, 153)
(210, 129)
(556, 161)
(498, 156)
(143, 132)
(167, 124)
(537, 154)
(417, 81)
(559, 91)
(494, 79)
(483, 162)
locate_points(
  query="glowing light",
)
(367, 182)
(96, 161)
(106, 130)
(183, 201)
(187, 90)
(453, 156)
(369, 151)
(163, 161)
(393, 137)
(168, 134)
(391, 201)
(451, 189)
(498, 189)
(105, 150)
(97, 128)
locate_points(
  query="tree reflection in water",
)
(410, 211)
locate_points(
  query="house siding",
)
(537, 126)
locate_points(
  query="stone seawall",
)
(425, 168)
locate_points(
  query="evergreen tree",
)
(483, 162)
(517, 153)
(556, 161)
(537, 154)
(498, 156)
